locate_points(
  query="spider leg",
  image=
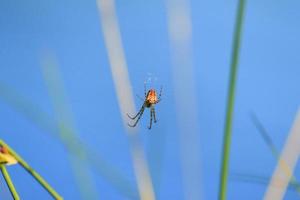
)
(159, 96)
(145, 90)
(140, 115)
(153, 111)
(141, 110)
(151, 116)
(140, 98)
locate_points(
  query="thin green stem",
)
(9, 183)
(32, 172)
(230, 101)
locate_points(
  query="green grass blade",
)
(9, 183)
(32, 172)
(230, 101)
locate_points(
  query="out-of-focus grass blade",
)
(249, 178)
(32, 112)
(120, 76)
(184, 82)
(230, 100)
(28, 109)
(257, 179)
(263, 132)
(289, 155)
(81, 172)
(267, 139)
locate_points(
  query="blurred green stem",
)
(258, 179)
(32, 112)
(9, 183)
(230, 101)
(67, 129)
(31, 171)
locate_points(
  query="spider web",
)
(151, 81)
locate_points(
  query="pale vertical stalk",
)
(67, 129)
(113, 42)
(32, 172)
(289, 156)
(9, 183)
(180, 33)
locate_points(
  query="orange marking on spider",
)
(150, 100)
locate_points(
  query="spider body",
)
(150, 100)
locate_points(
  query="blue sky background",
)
(268, 84)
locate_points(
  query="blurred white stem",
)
(180, 32)
(286, 164)
(113, 42)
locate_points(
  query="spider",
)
(150, 100)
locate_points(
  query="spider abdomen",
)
(151, 98)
